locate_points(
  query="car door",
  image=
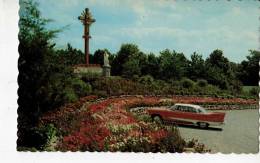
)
(177, 114)
(190, 114)
(186, 114)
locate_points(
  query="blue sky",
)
(154, 25)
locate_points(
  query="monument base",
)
(92, 69)
(106, 71)
(88, 69)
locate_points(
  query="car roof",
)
(191, 105)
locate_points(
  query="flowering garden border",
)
(104, 124)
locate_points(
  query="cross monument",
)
(87, 19)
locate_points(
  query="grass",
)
(248, 88)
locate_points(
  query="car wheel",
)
(157, 119)
(203, 124)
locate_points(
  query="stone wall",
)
(92, 70)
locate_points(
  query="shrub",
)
(69, 95)
(197, 147)
(36, 138)
(50, 131)
(33, 138)
(89, 77)
(147, 79)
(235, 87)
(101, 93)
(212, 90)
(133, 144)
(202, 83)
(175, 83)
(118, 86)
(144, 117)
(135, 78)
(187, 83)
(81, 88)
(173, 142)
(191, 143)
(254, 91)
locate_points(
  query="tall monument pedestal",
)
(106, 70)
(106, 67)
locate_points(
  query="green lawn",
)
(248, 88)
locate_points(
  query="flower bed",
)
(230, 107)
(67, 117)
(213, 100)
(93, 124)
(122, 131)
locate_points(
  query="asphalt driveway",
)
(239, 135)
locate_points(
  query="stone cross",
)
(87, 19)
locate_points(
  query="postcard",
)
(158, 76)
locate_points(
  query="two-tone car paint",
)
(196, 116)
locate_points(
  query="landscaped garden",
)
(98, 124)
(60, 110)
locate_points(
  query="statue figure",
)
(106, 67)
(106, 61)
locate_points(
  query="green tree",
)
(219, 70)
(248, 69)
(70, 56)
(45, 79)
(151, 66)
(196, 69)
(98, 57)
(34, 49)
(126, 51)
(143, 60)
(131, 68)
(173, 65)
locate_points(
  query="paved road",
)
(239, 135)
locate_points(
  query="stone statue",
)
(106, 67)
(106, 61)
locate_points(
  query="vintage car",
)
(187, 114)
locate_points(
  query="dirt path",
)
(239, 135)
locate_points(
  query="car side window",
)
(193, 110)
(188, 109)
(177, 108)
(184, 109)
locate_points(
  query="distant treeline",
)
(170, 65)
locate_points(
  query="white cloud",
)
(144, 10)
(158, 24)
(188, 40)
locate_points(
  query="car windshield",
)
(173, 107)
